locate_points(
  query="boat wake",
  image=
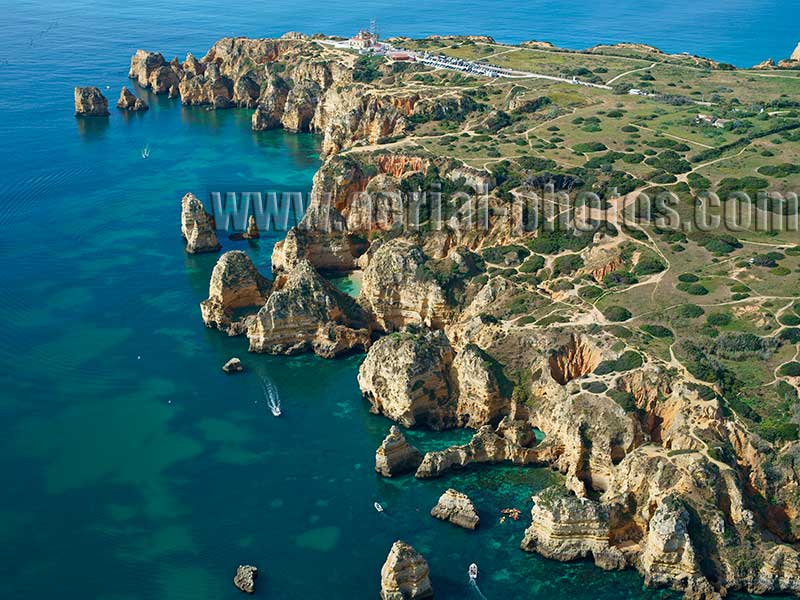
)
(146, 152)
(473, 581)
(271, 396)
(474, 585)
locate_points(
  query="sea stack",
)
(405, 574)
(252, 232)
(197, 226)
(456, 508)
(245, 578)
(395, 456)
(90, 102)
(128, 101)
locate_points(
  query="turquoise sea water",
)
(132, 466)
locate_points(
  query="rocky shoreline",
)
(658, 476)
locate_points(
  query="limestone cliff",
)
(128, 101)
(305, 312)
(395, 456)
(90, 102)
(457, 508)
(197, 226)
(405, 574)
(236, 285)
(405, 377)
(397, 291)
(565, 527)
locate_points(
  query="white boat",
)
(378, 506)
(146, 152)
(473, 571)
(276, 411)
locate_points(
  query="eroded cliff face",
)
(660, 502)
(236, 285)
(395, 293)
(405, 574)
(656, 476)
(304, 312)
(197, 226)
(90, 102)
(418, 379)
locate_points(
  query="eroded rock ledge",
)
(405, 574)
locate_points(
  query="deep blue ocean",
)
(132, 467)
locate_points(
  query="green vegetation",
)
(617, 313)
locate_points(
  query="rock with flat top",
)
(457, 508)
(395, 456)
(90, 102)
(405, 574)
(245, 578)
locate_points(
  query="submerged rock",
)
(197, 226)
(456, 508)
(405, 574)
(90, 102)
(128, 101)
(234, 365)
(245, 578)
(395, 456)
(235, 285)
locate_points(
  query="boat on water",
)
(378, 506)
(473, 571)
(276, 411)
(146, 152)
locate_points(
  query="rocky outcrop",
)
(397, 292)
(405, 574)
(565, 527)
(405, 377)
(197, 226)
(90, 102)
(235, 286)
(479, 383)
(418, 379)
(668, 556)
(210, 89)
(252, 232)
(796, 53)
(144, 66)
(245, 578)
(128, 101)
(395, 456)
(456, 508)
(304, 312)
(234, 365)
(486, 446)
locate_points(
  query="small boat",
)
(146, 152)
(378, 506)
(276, 411)
(473, 571)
